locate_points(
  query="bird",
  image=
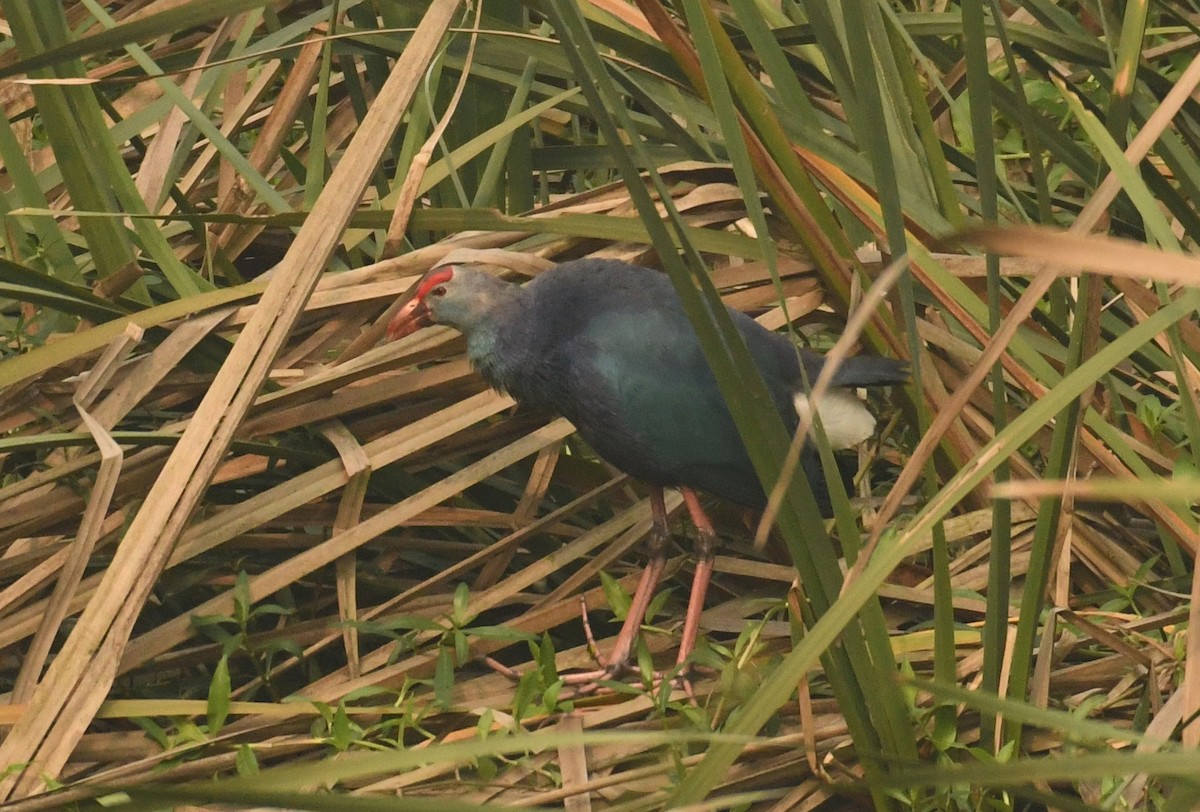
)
(608, 345)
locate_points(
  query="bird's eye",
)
(440, 290)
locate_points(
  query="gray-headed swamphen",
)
(608, 346)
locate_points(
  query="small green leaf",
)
(1150, 413)
(285, 646)
(462, 647)
(618, 601)
(545, 660)
(443, 677)
(319, 729)
(271, 609)
(219, 690)
(364, 692)
(696, 715)
(484, 728)
(656, 605)
(462, 597)
(500, 633)
(245, 761)
(396, 622)
(342, 731)
(945, 727)
(740, 683)
(487, 769)
(241, 599)
(153, 730)
(620, 687)
(526, 688)
(189, 732)
(645, 663)
(550, 695)
(205, 621)
(13, 769)
(908, 690)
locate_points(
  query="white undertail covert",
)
(846, 419)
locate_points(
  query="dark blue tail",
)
(871, 370)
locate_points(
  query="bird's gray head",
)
(454, 295)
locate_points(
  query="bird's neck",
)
(498, 345)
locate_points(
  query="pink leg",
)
(618, 660)
(706, 547)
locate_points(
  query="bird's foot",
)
(592, 682)
(612, 669)
(583, 682)
(618, 663)
(619, 667)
